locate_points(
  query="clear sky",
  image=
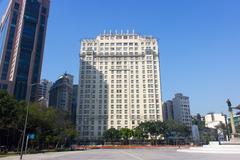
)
(199, 42)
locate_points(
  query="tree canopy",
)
(52, 128)
(150, 130)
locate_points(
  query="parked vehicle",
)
(3, 150)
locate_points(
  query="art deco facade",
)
(119, 83)
(22, 36)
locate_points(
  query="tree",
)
(198, 121)
(65, 130)
(111, 135)
(176, 129)
(156, 130)
(11, 120)
(150, 129)
(206, 134)
(8, 111)
(125, 134)
(50, 126)
(138, 133)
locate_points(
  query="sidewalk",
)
(40, 156)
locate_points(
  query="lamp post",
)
(26, 118)
(230, 109)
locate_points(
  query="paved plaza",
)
(127, 154)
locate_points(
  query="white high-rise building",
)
(119, 83)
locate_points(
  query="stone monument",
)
(234, 135)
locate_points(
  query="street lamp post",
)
(26, 119)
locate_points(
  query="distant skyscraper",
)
(181, 109)
(22, 37)
(60, 95)
(43, 91)
(119, 83)
(168, 110)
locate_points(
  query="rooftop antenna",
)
(133, 31)
(121, 31)
(104, 32)
(127, 32)
(110, 31)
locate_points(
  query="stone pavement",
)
(126, 154)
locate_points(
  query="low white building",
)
(212, 120)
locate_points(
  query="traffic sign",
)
(31, 136)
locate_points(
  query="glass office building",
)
(22, 37)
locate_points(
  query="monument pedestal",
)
(233, 141)
(226, 147)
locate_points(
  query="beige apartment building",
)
(119, 83)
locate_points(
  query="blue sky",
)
(199, 42)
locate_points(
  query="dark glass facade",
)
(3, 33)
(26, 48)
(7, 39)
(26, 67)
(4, 59)
(9, 45)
